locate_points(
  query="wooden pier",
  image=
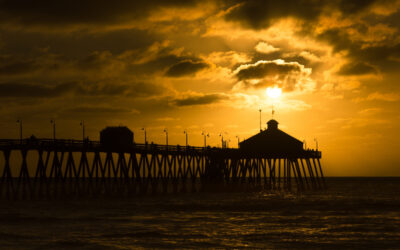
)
(31, 165)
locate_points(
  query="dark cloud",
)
(287, 75)
(96, 60)
(63, 12)
(199, 99)
(37, 90)
(262, 69)
(386, 57)
(101, 112)
(185, 68)
(98, 65)
(354, 6)
(144, 89)
(366, 37)
(161, 62)
(34, 90)
(97, 109)
(359, 68)
(76, 44)
(378, 56)
(338, 38)
(16, 67)
(259, 14)
(47, 62)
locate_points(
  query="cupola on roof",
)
(272, 124)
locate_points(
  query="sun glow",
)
(274, 92)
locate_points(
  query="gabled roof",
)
(272, 139)
(271, 135)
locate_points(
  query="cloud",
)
(389, 97)
(75, 44)
(364, 33)
(370, 111)
(385, 57)
(37, 90)
(352, 28)
(336, 37)
(287, 75)
(156, 59)
(364, 56)
(359, 121)
(227, 58)
(167, 119)
(199, 99)
(16, 67)
(377, 96)
(310, 56)
(261, 14)
(160, 59)
(100, 110)
(95, 60)
(262, 69)
(65, 13)
(186, 68)
(359, 68)
(34, 90)
(45, 65)
(295, 105)
(265, 48)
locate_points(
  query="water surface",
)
(352, 213)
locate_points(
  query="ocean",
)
(352, 213)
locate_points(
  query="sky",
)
(204, 66)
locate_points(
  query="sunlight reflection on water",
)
(352, 213)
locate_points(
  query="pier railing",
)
(93, 146)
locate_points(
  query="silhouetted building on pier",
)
(116, 137)
(273, 141)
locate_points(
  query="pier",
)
(32, 165)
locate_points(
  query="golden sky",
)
(205, 66)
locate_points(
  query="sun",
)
(274, 92)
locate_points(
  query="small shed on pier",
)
(272, 141)
(117, 137)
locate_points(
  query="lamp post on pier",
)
(83, 130)
(186, 133)
(316, 143)
(20, 129)
(205, 137)
(238, 140)
(145, 135)
(166, 137)
(53, 121)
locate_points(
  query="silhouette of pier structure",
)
(271, 158)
